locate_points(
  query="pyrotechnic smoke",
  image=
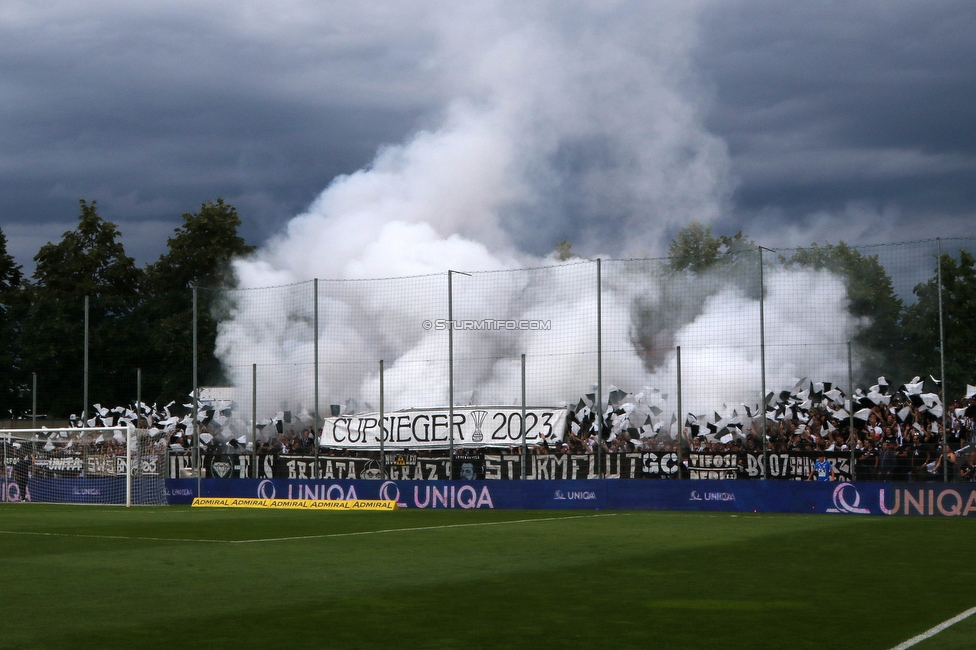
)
(579, 121)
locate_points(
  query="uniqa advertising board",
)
(840, 498)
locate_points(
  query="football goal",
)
(93, 465)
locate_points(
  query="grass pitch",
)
(173, 577)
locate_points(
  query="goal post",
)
(92, 465)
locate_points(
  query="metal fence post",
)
(382, 427)
(681, 424)
(850, 387)
(84, 408)
(945, 448)
(525, 442)
(196, 398)
(762, 363)
(315, 427)
(599, 368)
(138, 398)
(254, 418)
(128, 467)
(450, 374)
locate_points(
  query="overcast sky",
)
(814, 121)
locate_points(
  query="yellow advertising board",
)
(294, 504)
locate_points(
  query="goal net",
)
(95, 465)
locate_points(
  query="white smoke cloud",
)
(580, 121)
(806, 327)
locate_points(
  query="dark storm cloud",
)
(152, 112)
(829, 105)
(835, 114)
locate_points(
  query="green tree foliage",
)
(137, 319)
(699, 265)
(199, 255)
(88, 261)
(10, 272)
(200, 251)
(959, 316)
(564, 251)
(11, 308)
(714, 262)
(870, 295)
(696, 249)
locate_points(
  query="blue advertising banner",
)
(915, 499)
(98, 490)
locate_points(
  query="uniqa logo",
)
(263, 490)
(585, 496)
(386, 494)
(719, 496)
(842, 505)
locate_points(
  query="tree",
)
(11, 311)
(699, 265)
(200, 252)
(10, 272)
(199, 255)
(564, 251)
(959, 320)
(871, 295)
(696, 249)
(88, 261)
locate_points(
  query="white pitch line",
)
(402, 530)
(299, 537)
(935, 630)
(82, 535)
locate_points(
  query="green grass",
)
(583, 579)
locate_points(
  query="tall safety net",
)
(744, 350)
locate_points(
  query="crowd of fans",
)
(893, 433)
(896, 434)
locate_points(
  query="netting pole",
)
(33, 401)
(128, 467)
(254, 418)
(525, 442)
(762, 361)
(450, 374)
(138, 420)
(850, 387)
(138, 398)
(681, 424)
(599, 369)
(315, 427)
(382, 444)
(196, 396)
(945, 450)
(84, 408)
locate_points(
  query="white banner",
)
(474, 426)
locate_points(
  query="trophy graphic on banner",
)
(479, 419)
